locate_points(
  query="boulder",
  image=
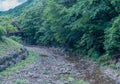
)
(2, 60)
(13, 58)
(2, 67)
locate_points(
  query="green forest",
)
(85, 28)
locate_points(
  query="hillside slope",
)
(7, 46)
(17, 10)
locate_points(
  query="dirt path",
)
(54, 67)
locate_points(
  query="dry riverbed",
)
(54, 67)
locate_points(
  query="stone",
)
(14, 60)
(118, 82)
(70, 79)
(6, 63)
(15, 55)
(18, 59)
(2, 67)
(8, 58)
(11, 63)
(2, 59)
(118, 65)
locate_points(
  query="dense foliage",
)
(2, 31)
(5, 25)
(90, 27)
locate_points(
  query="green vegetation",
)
(6, 23)
(87, 27)
(113, 66)
(21, 81)
(71, 80)
(16, 38)
(7, 45)
(2, 32)
(9, 71)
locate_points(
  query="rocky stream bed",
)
(53, 66)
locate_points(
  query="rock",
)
(15, 55)
(18, 59)
(59, 82)
(7, 63)
(30, 74)
(8, 58)
(11, 63)
(118, 82)
(14, 61)
(2, 67)
(70, 79)
(2, 60)
(118, 65)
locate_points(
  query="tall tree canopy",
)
(88, 26)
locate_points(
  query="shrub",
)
(21, 81)
(16, 38)
(112, 38)
(2, 31)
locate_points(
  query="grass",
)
(9, 71)
(7, 45)
(20, 81)
(71, 80)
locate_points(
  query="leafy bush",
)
(112, 38)
(16, 38)
(2, 31)
(10, 27)
(88, 26)
(21, 81)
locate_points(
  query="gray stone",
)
(18, 59)
(2, 67)
(118, 65)
(15, 55)
(70, 79)
(2, 60)
(118, 82)
(8, 58)
(14, 60)
(6, 63)
(11, 63)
